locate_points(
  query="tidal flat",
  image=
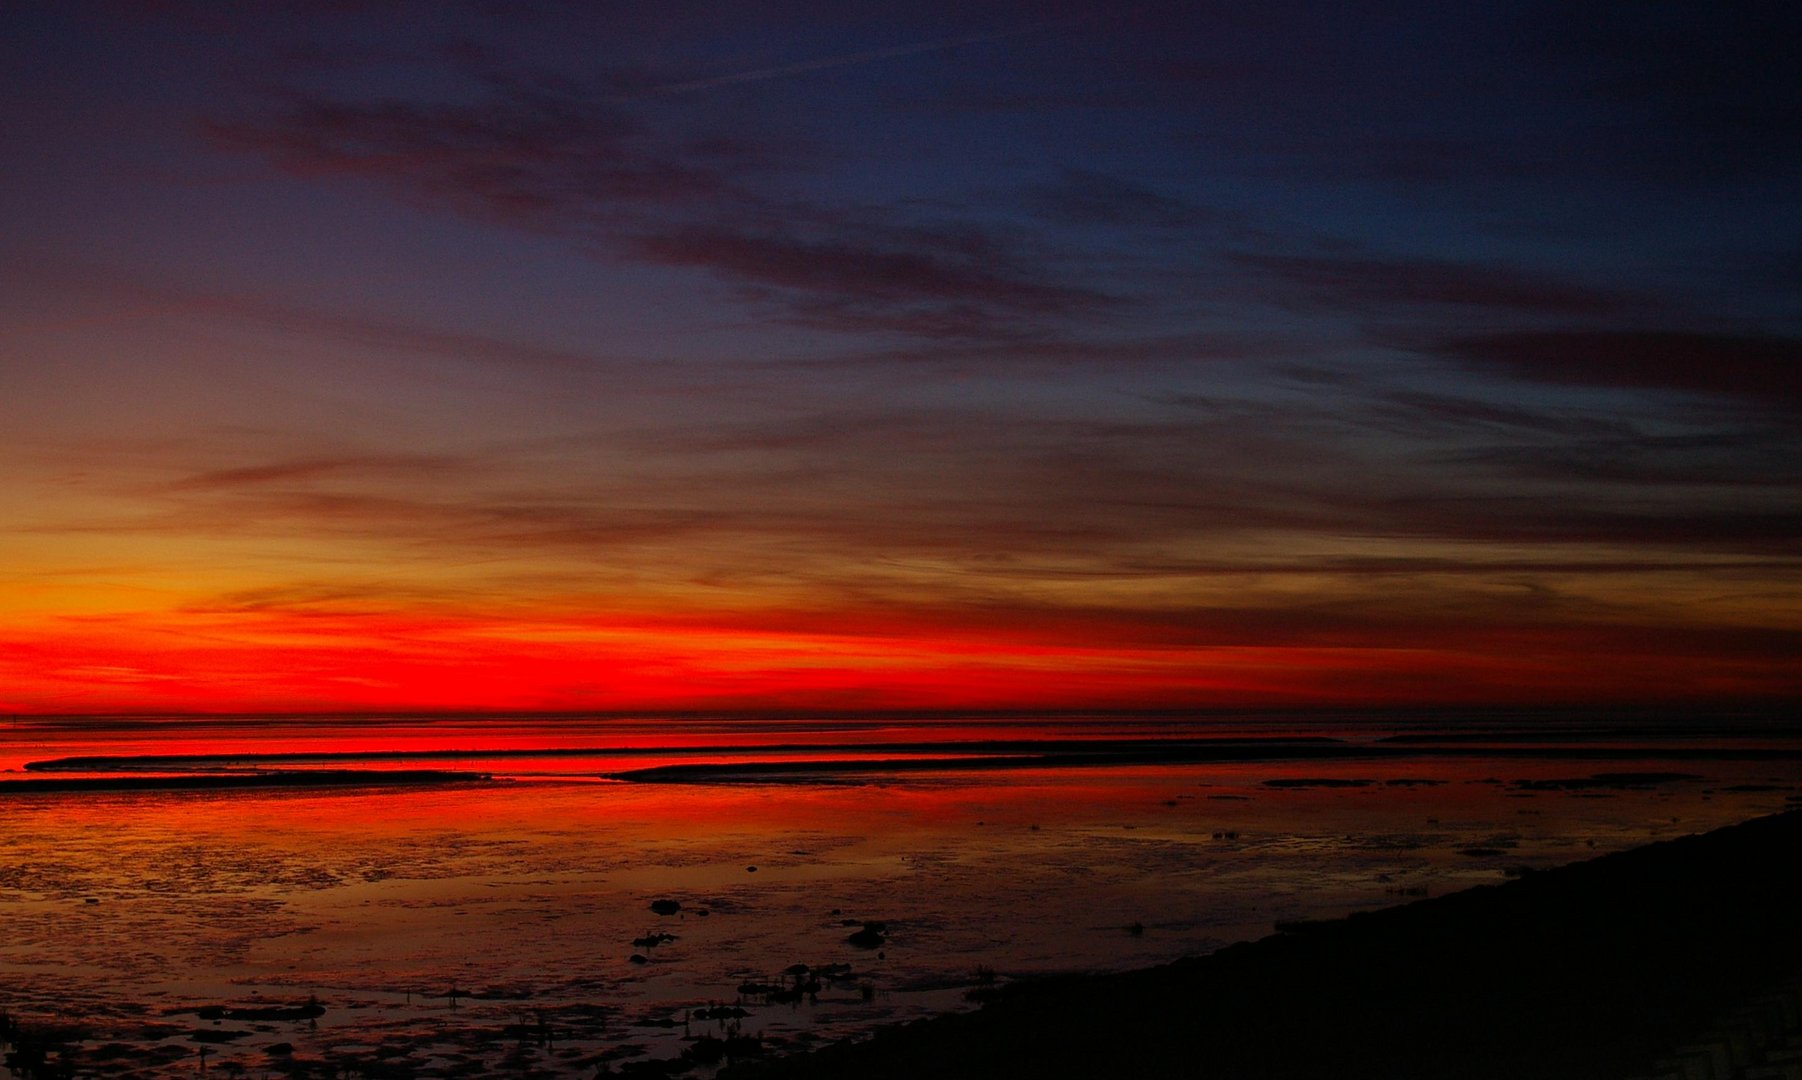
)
(782, 883)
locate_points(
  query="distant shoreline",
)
(957, 754)
(297, 778)
(1224, 745)
(1655, 711)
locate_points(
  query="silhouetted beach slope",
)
(1588, 971)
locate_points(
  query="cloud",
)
(1050, 353)
(1611, 520)
(530, 157)
(1761, 370)
(1367, 285)
(1563, 444)
(313, 470)
(1053, 484)
(1423, 413)
(553, 160)
(127, 296)
(1719, 461)
(1086, 197)
(1471, 617)
(933, 282)
(830, 63)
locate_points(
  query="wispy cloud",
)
(1342, 336)
(545, 157)
(1761, 370)
(965, 485)
(1373, 285)
(123, 297)
(405, 467)
(526, 156)
(842, 60)
(1089, 197)
(1414, 408)
(893, 278)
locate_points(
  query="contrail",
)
(783, 71)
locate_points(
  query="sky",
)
(369, 356)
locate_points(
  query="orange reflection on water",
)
(375, 902)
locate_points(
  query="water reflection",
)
(475, 928)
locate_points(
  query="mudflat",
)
(1591, 970)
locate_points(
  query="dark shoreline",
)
(1585, 972)
(978, 753)
(1227, 745)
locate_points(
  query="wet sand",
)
(173, 906)
(1592, 970)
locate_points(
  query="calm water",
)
(126, 911)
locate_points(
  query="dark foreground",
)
(1589, 971)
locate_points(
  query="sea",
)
(475, 896)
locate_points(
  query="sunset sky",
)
(373, 356)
